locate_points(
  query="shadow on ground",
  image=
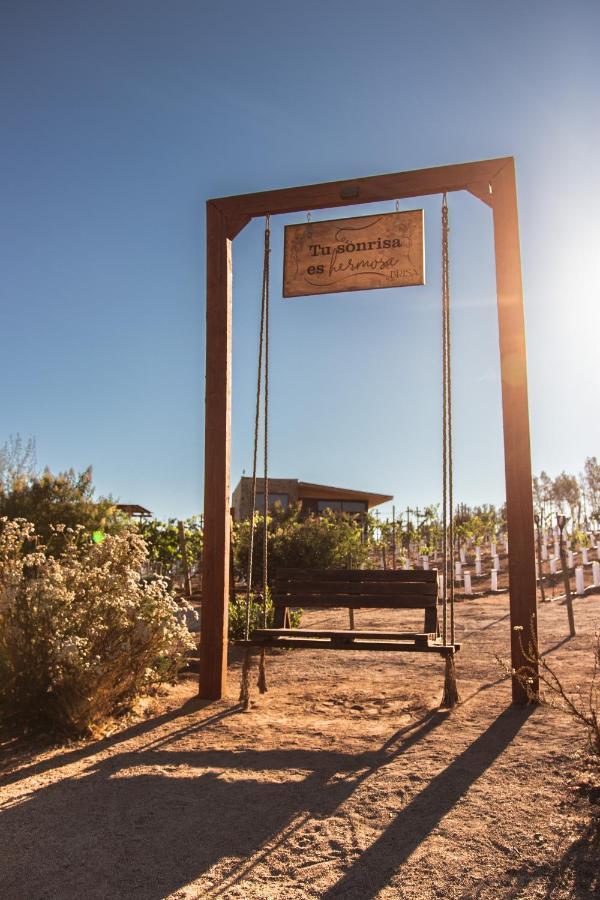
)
(148, 822)
(577, 873)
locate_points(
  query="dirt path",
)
(343, 781)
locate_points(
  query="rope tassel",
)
(245, 680)
(262, 673)
(450, 697)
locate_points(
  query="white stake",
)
(468, 588)
(544, 551)
(426, 563)
(463, 557)
(569, 559)
(553, 565)
(494, 580)
(596, 573)
(497, 563)
(579, 583)
(478, 566)
(584, 556)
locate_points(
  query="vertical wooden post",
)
(517, 454)
(215, 582)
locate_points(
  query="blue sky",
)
(120, 119)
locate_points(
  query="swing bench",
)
(354, 589)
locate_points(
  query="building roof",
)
(328, 492)
(134, 509)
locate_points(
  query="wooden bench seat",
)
(354, 589)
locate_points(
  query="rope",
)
(444, 424)
(255, 449)
(266, 286)
(262, 375)
(447, 477)
(449, 431)
(262, 674)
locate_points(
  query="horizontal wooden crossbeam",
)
(475, 177)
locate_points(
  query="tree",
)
(591, 476)
(542, 495)
(17, 461)
(48, 500)
(565, 490)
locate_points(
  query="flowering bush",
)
(81, 634)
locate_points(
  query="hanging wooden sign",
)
(358, 254)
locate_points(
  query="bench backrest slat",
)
(377, 588)
(355, 588)
(363, 575)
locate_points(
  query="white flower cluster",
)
(81, 633)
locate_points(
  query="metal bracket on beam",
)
(483, 191)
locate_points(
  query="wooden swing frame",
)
(491, 181)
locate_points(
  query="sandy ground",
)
(345, 780)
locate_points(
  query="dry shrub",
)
(582, 704)
(81, 634)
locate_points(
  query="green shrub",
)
(81, 634)
(325, 542)
(237, 616)
(163, 543)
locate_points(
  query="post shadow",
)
(124, 828)
(375, 867)
(92, 748)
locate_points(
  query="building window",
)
(342, 506)
(332, 505)
(354, 506)
(274, 499)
